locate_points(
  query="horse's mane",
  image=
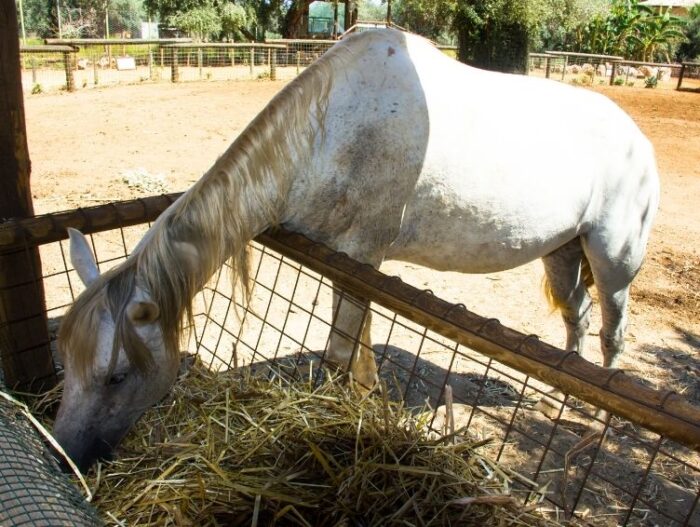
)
(240, 195)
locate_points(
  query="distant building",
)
(678, 7)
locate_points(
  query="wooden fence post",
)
(612, 74)
(252, 61)
(273, 65)
(68, 64)
(174, 72)
(24, 339)
(680, 76)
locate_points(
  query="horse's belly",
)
(479, 237)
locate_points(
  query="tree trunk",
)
(294, 18)
(24, 339)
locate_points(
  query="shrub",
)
(651, 82)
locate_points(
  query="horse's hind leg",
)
(614, 269)
(566, 285)
(567, 277)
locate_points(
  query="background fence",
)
(588, 69)
(84, 63)
(629, 475)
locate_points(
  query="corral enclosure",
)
(634, 477)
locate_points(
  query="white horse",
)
(384, 149)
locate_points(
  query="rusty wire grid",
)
(628, 475)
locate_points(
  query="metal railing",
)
(643, 470)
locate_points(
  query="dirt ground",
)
(86, 148)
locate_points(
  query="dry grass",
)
(234, 449)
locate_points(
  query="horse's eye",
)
(117, 378)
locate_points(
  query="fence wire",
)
(103, 62)
(626, 476)
(616, 71)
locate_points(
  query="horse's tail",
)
(586, 276)
(586, 273)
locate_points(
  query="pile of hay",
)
(233, 449)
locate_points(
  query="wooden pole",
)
(680, 77)
(612, 74)
(68, 65)
(273, 65)
(174, 72)
(24, 338)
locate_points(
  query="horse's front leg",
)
(349, 344)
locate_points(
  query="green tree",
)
(371, 10)
(430, 18)
(234, 21)
(690, 49)
(562, 21)
(201, 23)
(655, 37)
(497, 34)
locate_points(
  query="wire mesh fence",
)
(33, 491)
(624, 475)
(84, 63)
(586, 70)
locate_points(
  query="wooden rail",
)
(664, 412)
(114, 41)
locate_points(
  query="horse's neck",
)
(216, 218)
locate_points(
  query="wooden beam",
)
(24, 340)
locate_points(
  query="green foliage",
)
(619, 81)
(690, 49)
(36, 89)
(200, 22)
(234, 20)
(126, 16)
(368, 10)
(651, 82)
(632, 30)
(561, 20)
(496, 34)
(430, 18)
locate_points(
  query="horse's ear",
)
(82, 258)
(141, 313)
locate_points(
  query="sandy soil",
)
(85, 146)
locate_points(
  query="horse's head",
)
(116, 361)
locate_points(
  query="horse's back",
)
(459, 168)
(517, 166)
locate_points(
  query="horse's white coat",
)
(413, 157)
